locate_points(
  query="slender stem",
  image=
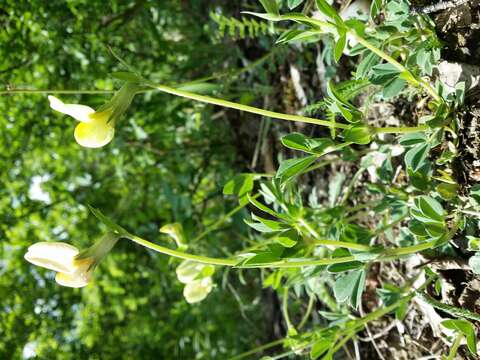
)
(258, 349)
(335, 243)
(342, 244)
(384, 256)
(355, 208)
(309, 228)
(400, 130)
(311, 302)
(295, 264)
(33, 91)
(455, 346)
(393, 223)
(410, 77)
(232, 262)
(378, 52)
(425, 245)
(221, 220)
(182, 254)
(351, 185)
(235, 72)
(411, 249)
(285, 309)
(319, 165)
(246, 108)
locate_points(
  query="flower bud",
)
(175, 231)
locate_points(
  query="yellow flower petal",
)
(78, 112)
(197, 290)
(72, 281)
(80, 278)
(56, 256)
(94, 134)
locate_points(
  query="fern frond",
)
(240, 28)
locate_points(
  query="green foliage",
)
(465, 328)
(171, 158)
(349, 287)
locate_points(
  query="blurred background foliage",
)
(167, 163)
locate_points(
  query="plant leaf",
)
(292, 167)
(270, 6)
(416, 156)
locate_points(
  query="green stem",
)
(388, 226)
(388, 254)
(425, 245)
(319, 165)
(351, 185)
(181, 254)
(220, 221)
(400, 129)
(309, 228)
(246, 108)
(258, 349)
(366, 205)
(407, 250)
(232, 262)
(455, 346)
(335, 243)
(402, 69)
(271, 114)
(33, 91)
(231, 74)
(311, 302)
(288, 322)
(343, 244)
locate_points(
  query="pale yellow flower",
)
(188, 271)
(197, 290)
(61, 257)
(94, 130)
(197, 279)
